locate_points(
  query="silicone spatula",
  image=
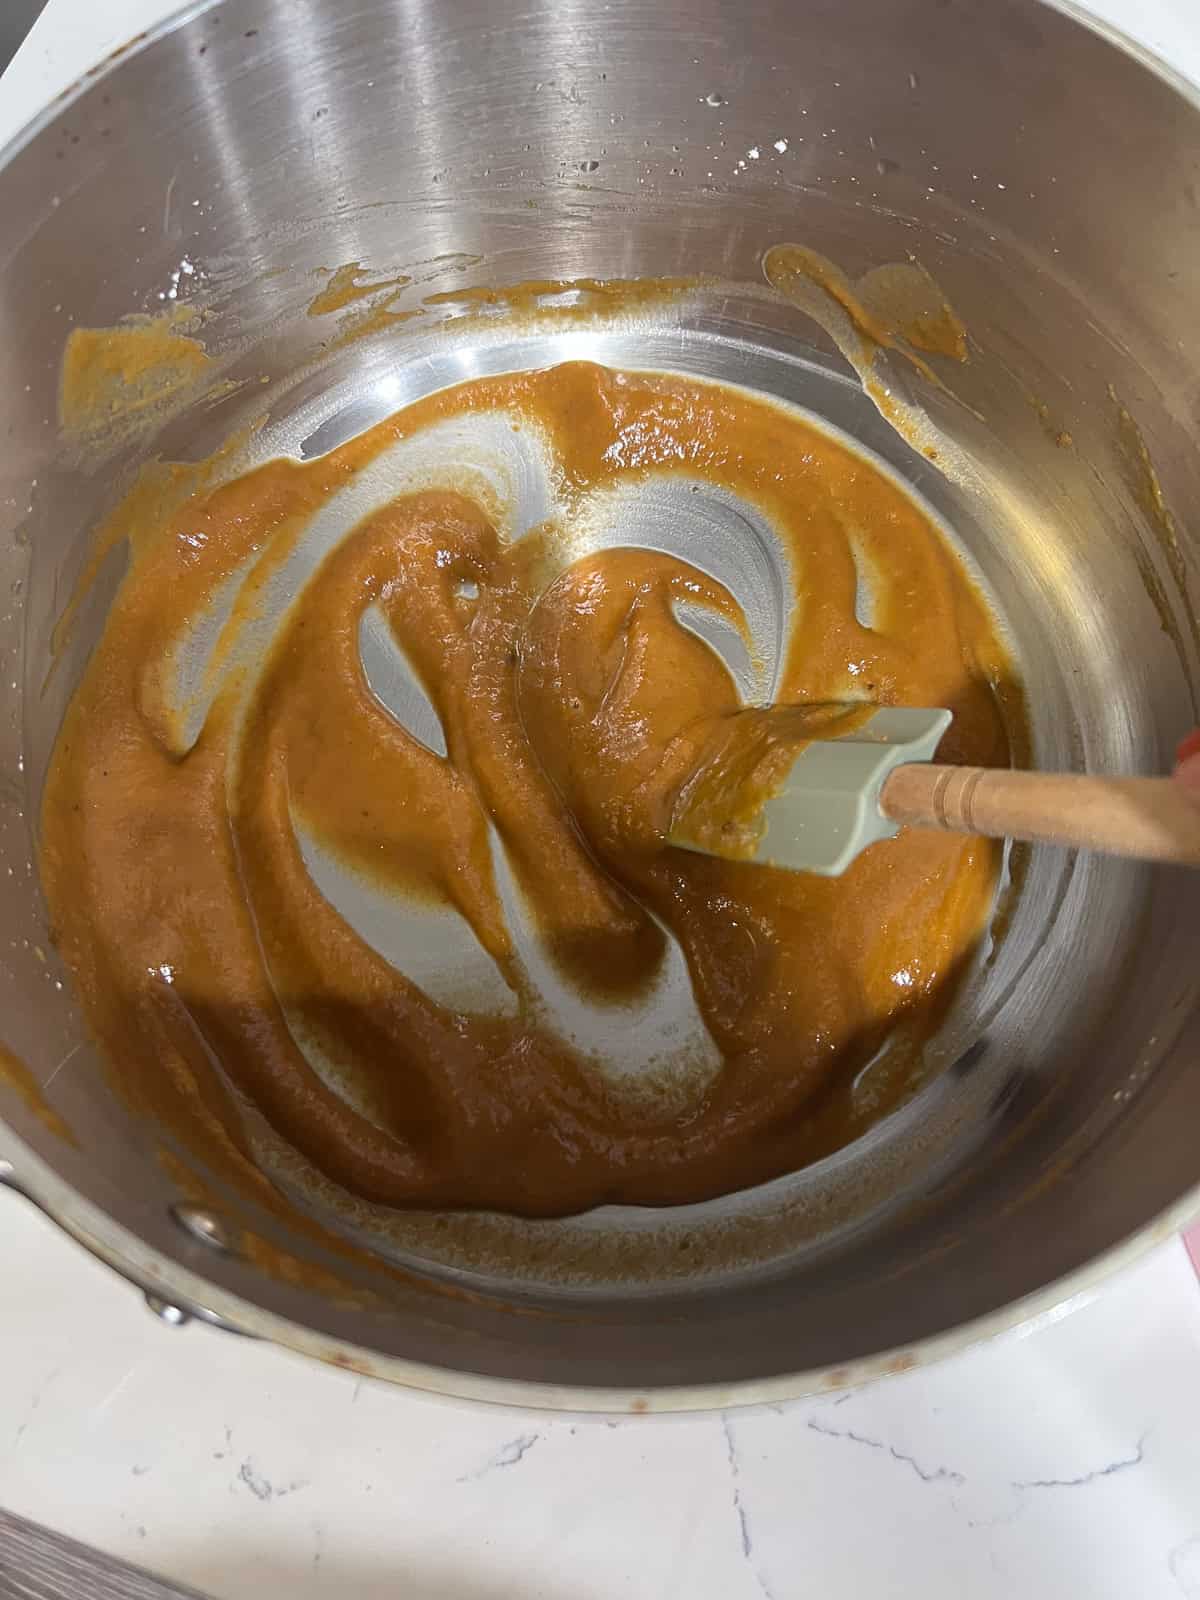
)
(845, 792)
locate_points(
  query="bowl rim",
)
(170, 1283)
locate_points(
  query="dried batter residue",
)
(897, 306)
(345, 288)
(1144, 482)
(362, 308)
(112, 377)
(567, 298)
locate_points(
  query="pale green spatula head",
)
(826, 812)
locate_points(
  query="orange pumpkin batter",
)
(573, 704)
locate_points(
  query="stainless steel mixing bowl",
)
(1048, 177)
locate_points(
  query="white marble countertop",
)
(1064, 1462)
(1059, 1462)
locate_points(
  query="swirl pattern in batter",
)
(357, 816)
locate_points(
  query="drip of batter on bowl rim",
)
(186, 806)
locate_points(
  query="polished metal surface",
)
(167, 1311)
(1049, 181)
(203, 1225)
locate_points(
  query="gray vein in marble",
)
(926, 1474)
(735, 1473)
(507, 1456)
(1004, 1520)
(1183, 1563)
(35, 1401)
(1122, 1465)
(262, 1488)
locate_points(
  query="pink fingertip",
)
(1188, 774)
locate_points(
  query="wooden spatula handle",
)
(1150, 819)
